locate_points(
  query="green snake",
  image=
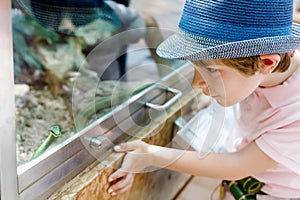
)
(84, 115)
(102, 103)
(54, 132)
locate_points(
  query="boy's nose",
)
(198, 81)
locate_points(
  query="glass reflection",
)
(70, 55)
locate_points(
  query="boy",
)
(243, 54)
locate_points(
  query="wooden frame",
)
(8, 171)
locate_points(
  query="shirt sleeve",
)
(283, 145)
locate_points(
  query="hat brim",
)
(186, 46)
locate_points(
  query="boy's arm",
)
(236, 165)
(231, 166)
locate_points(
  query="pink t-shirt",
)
(271, 117)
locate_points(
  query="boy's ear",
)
(270, 62)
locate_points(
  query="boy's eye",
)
(209, 69)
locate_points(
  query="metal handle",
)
(177, 95)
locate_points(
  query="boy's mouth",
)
(205, 92)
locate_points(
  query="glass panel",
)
(75, 61)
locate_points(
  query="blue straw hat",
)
(52, 13)
(213, 29)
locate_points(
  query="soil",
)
(36, 112)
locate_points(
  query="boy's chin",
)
(225, 103)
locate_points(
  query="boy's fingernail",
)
(117, 148)
(110, 191)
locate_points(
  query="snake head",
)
(55, 131)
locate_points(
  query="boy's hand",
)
(122, 184)
(136, 160)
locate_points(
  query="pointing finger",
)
(128, 146)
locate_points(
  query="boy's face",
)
(226, 85)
